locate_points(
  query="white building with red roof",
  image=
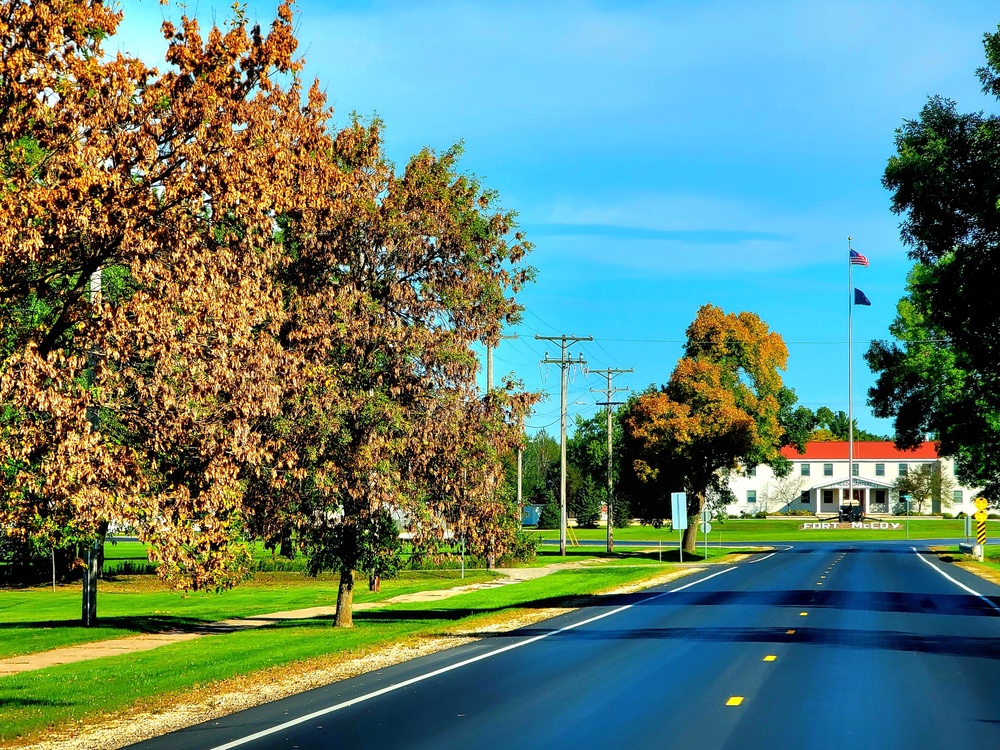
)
(820, 483)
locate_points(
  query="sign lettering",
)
(873, 526)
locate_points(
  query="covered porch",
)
(872, 496)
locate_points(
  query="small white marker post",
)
(679, 516)
(706, 526)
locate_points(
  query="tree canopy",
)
(721, 411)
(941, 374)
(221, 318)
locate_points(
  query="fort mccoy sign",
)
(873, 525)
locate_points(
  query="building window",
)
(854, 469)
(958, 497)
(804, 470)
(751, 496)
(752, 471)
(827, 470)
(827, 497)
(903, 470)
(880, 470)
(880, 497)
(805, 497)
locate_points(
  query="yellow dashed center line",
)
(803, 614)
(735, 700)
(789, 632)
(770, 657)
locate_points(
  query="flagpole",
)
(850, 373)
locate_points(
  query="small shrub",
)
(760, 514)
(993, 515)
(129, 568)
(524, 548)
(279, 565)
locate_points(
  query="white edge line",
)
(449, 668)
(957, 583)
(762, 559)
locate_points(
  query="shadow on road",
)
(864, 640)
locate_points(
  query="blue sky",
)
(660, 155)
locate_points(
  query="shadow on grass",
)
(11, 703)
(140, 625)
(425, 614)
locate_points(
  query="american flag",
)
(857, 259)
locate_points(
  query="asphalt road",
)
(853, 645)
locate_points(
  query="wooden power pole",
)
(564, 362)
(610, 392)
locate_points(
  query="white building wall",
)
(827, 471)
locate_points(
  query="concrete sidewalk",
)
(146, 642)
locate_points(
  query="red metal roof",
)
(863, 450)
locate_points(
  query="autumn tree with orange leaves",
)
(139, 316)
(220, 319)
(722, 411)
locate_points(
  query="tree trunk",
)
(694, 518)
(345, 600)
(691, 534)
(287, 549)
(102, 536)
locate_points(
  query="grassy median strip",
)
(34, 702)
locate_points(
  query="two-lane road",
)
(851, 645)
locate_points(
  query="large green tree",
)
(834, 425)
(942, 373)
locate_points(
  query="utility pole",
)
(608, 403)
(520, 472)
(564, 363)
(489, 362)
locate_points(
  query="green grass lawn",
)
(34, 701)
(38, 619)
(784, 530)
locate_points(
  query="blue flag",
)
(860, 298)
